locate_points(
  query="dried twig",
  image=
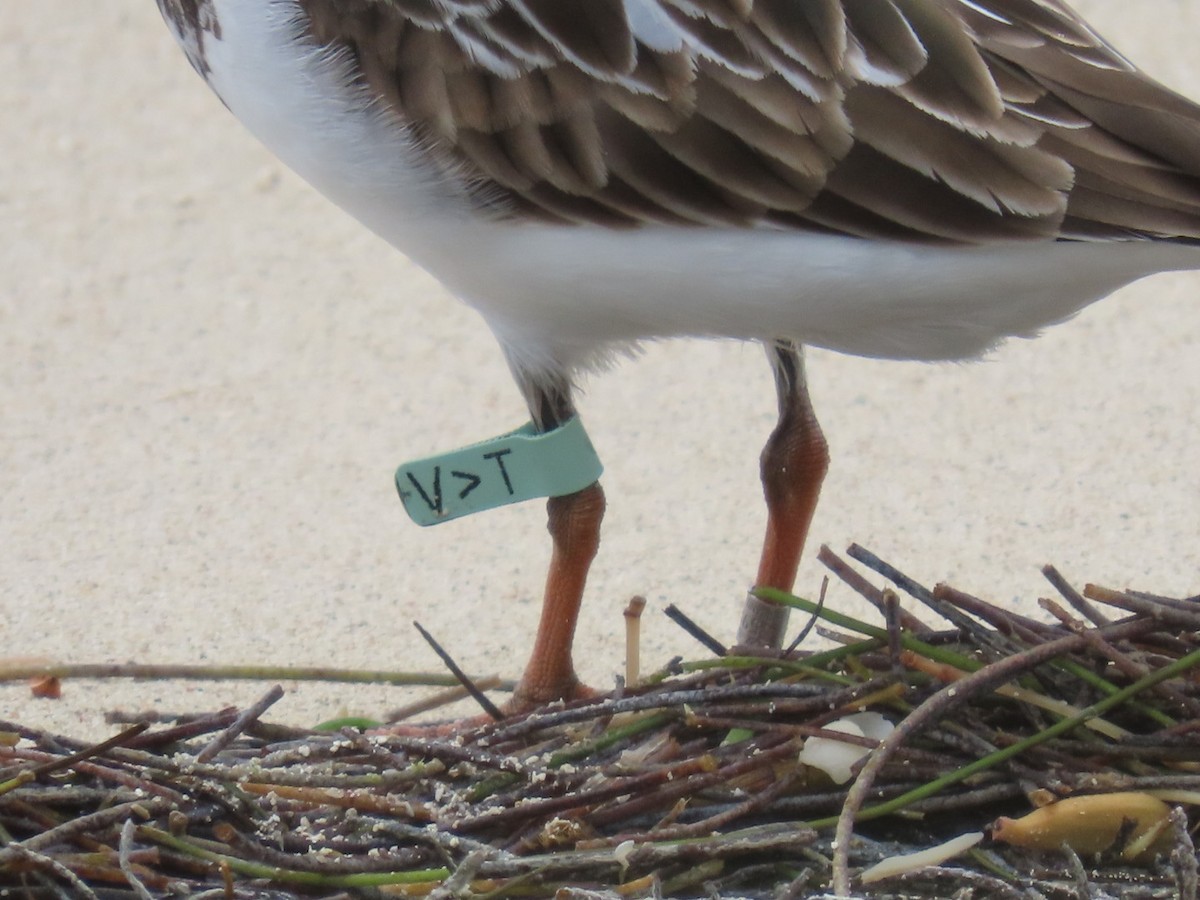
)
(126, 852)
(690, 784)
(471, 688)
(240, 724)
(680, 618)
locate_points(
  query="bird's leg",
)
(793, 465)
(574, 524)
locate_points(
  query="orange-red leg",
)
(574, 524)
(793, 465)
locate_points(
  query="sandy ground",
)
(208, 374)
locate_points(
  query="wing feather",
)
(946, 120)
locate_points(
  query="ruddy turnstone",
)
(915, 179)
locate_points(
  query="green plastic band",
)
(520, 465)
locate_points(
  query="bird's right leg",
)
(793, 464)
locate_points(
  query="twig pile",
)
(687, 786)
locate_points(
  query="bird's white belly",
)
(868, 298)
(559, 295)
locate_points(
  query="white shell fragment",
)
(835, 758)
(912, 862)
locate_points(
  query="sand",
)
(208, 374)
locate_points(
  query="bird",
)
(899, 179)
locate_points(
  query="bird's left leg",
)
(574, 525)
(793, 464)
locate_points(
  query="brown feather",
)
(909, 120)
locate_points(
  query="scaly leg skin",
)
(793, 464)
(574, 524)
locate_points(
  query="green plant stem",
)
(992, 759)
(942, 655)
(939, 654)
(226, 673)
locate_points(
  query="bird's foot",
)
(529, 698)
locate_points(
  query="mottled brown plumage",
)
(917, 119)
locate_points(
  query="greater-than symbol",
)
(470, 477)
